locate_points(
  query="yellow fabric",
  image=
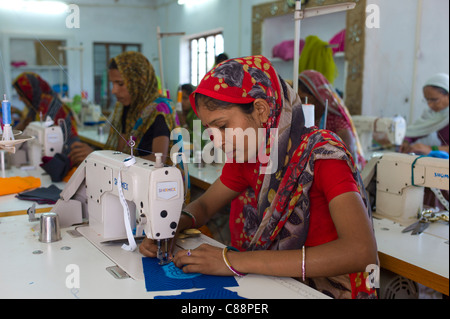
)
(316, 55)
(14, 185)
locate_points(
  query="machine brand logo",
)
(441, 175)
(167, 190)
(124, 185)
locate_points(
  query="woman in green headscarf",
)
(140, 112)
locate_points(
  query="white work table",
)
(90, 135)
(422, 258)
(204, 177)
(31, 269)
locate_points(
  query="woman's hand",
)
(148, 248)
(205, 259)
(79, 151)
(419, 148)
(405, 147)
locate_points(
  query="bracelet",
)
(435, 148)
(303, 264)
(194, 220)
(225, 259)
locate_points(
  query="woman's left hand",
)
(419, 148)
(205, 259)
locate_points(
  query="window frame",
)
(197, 38)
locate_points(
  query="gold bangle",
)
(227, 262)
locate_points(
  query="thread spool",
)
(6, 111)
(308, 111)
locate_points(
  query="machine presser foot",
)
(163, 256)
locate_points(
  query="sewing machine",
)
(400, 180)
(90, 113)
(394, 130)
(152, 190)
(48, 141)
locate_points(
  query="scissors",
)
(426, 217)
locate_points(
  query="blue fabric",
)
(170, 277)
(211, 293)
(439, 154)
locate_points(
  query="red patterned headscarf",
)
(275, 215)
(242, 81)
(41, 99)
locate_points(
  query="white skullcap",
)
(439, 80)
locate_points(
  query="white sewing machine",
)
(48, 141)
(400, 181)
(368, 126)
(153, 193)
(90, 113)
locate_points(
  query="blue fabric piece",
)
(170, 277)
(439, 154)
(212, 293)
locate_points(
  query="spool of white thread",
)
(308, 111)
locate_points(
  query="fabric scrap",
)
(170, 277)
(17, 184)
(42, 195)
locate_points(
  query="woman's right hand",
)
(79, 151)
(148, 248)
(405, 148)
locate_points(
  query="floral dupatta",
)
(275, 216)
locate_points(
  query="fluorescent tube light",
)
(32, 6)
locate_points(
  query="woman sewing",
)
(42, 102)
(140, 113)
(296, 221)
(314, 87)
(434, 120)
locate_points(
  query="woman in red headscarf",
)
(41, 100)
(304, 213)
(314, 86)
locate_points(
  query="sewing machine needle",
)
(159, 253)
(166, 254)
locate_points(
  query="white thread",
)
(126, 216)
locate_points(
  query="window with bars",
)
(204, 50)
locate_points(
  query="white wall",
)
(100, 21)
(393, 75)
(278, 29)
(410, 46)
(234, 16)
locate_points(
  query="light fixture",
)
(32, 6)
(190, 2)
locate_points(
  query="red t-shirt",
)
(331, 178)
